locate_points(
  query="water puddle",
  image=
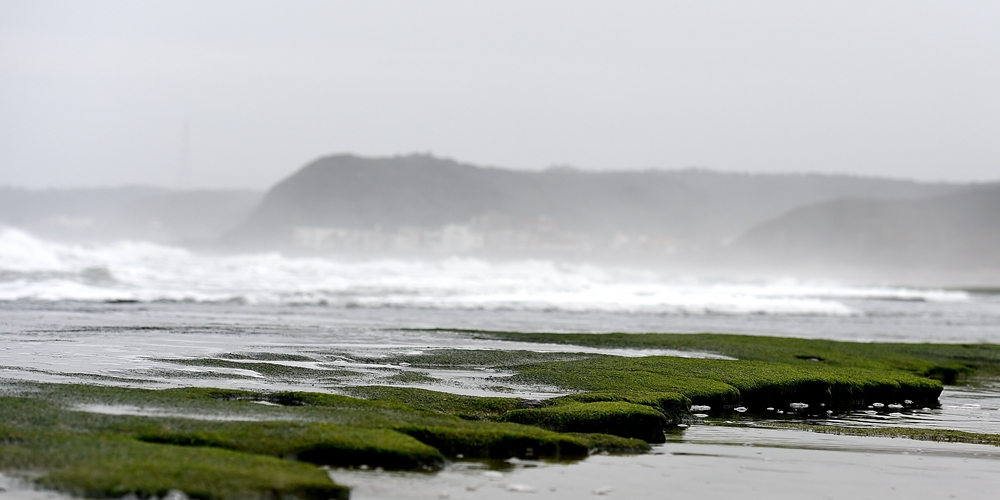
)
(962, 408)
(142, 411)
(13, 488)
(325, 358)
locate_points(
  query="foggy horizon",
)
(98, 94)
(293, 170)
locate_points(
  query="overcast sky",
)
(96, 93)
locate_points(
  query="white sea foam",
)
(34, 269)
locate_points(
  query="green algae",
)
(410, 377)
(270, 370)
(773, 371)
(113, 454)
(316, 443)
(626, 415)
(466, 407)
(499, 440)
(723, 383)
(265, 356)
(473, 358)
(617, 418)
(945, 362)
(610, 444)
(915, 433)
(107, 466)
(671, 405)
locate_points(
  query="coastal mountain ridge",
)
(957, 231)
(423, 205)
(694, 209)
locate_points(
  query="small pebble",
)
(521, 488)
(603, 490)
(175, 495)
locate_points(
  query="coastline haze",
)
(97, 94)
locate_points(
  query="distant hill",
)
(138, 213)
(694, 210)
(958, 231)
(695, 220)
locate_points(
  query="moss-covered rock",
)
(726, 383)
(499, 440)
(945, 362)
(309, 442)
(672, 405)
(467, 407)
(614, 445)
(100, 466)
(615, 418)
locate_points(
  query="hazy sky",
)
(96, 93)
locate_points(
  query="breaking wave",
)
(34, 269)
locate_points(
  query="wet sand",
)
(718, 463)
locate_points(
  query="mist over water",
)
(130, 312)
(35, 269)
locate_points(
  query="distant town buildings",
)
(477, 236)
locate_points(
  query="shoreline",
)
(615, 405)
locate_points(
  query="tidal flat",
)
(312, 421)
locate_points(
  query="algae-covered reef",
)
(768, 371)
(671, 384)
(105, 442)
(945, 362)
(222, 444)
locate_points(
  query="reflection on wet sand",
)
(712, 462)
